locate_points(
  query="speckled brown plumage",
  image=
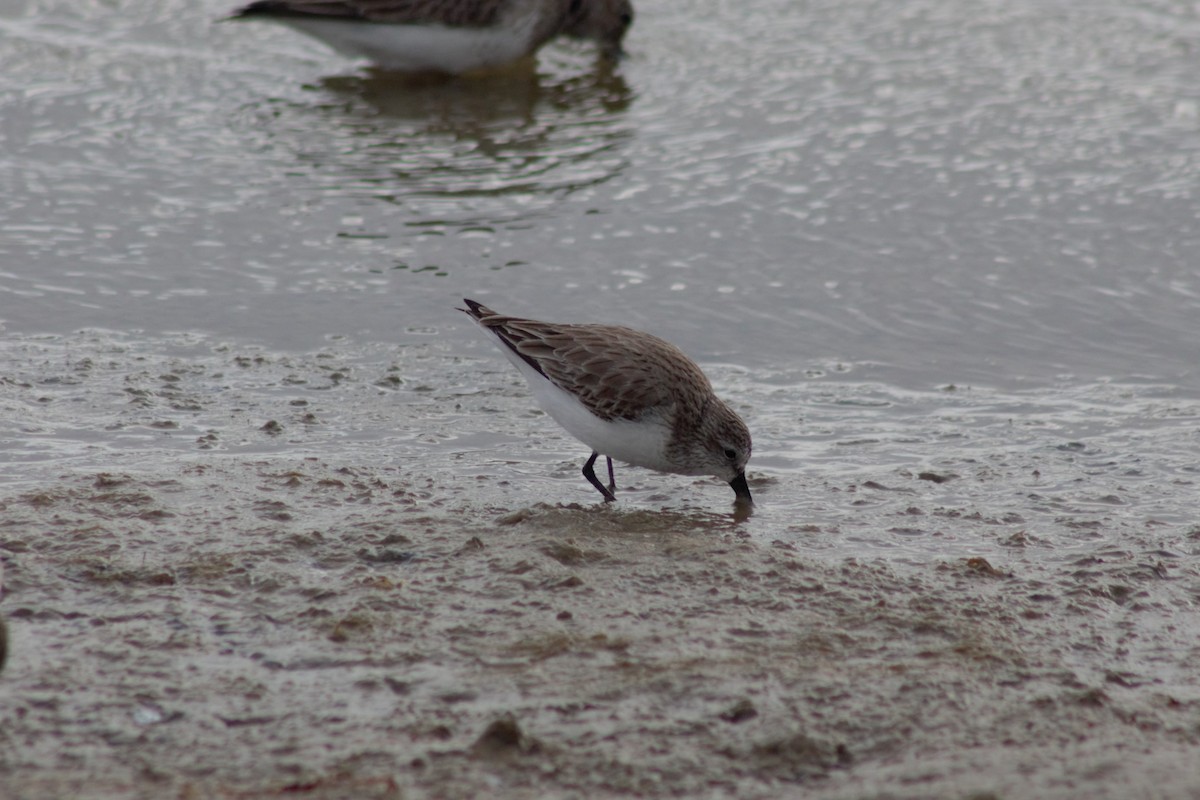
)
(618, 373)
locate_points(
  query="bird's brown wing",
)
(617, 373)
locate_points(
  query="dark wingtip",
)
(274, 8)
(476, 310)
(254, 9)
(741, 489)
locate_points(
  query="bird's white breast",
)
(416, 48)
(641, 443)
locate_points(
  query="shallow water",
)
(988, 194)
(941, 257)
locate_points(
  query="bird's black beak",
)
(614, 53)
(741, 489)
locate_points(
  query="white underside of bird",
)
(417, 48)
(632, 442)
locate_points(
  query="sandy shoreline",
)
(250, 628)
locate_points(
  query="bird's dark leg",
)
(590, 474)
(612, 482)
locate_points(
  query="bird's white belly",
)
(417, 48)
(641, 443)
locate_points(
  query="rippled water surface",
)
(942, 256)
(991, 193)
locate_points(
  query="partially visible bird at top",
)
(448, 36)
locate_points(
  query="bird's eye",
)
(730, 453)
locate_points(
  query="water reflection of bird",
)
(450, 36)
(558, 96)
(516, 132)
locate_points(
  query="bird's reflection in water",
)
(517, 130)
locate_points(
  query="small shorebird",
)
(627, 395)
(450, 36)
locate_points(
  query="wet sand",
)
(202, 620)
(401, 653)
